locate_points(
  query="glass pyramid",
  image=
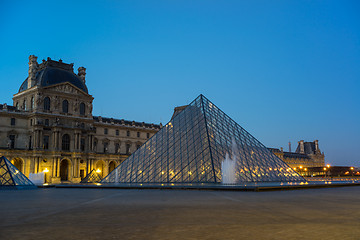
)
(191, 148)
(92, 177)
(11, 176)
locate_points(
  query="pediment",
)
(67, 88)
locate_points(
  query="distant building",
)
(307, 154)
(51, 127)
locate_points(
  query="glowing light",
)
(324, 168)
(46, 170)
(189, 173)
(328, 165)
(16, 171)
(162, 172)
(352, 168)
(270, 168)
(294, 168)
(301, 167)
(305, 169)
(99, 184)
(140, 171)
(45, 184)
(98, 170)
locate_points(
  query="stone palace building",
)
(50, 127)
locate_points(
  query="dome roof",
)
(51, 75)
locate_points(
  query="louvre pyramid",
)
(92, 177)
(191, 147)
(11, 176)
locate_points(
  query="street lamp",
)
(45, 171)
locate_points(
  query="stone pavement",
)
(332, 213)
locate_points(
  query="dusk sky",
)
(284, 70)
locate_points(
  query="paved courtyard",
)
(332, 213)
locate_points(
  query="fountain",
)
(228, 170)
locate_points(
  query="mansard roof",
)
(54, 72)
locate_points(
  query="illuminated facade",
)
(191, 147)
(307, 154)
(50, 126)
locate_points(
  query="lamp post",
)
(45, 171)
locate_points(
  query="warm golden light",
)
(324, 168)
(98, 170)
(301, 167)
(352, 168)
(294, 168)
(46, 170)
(99, 184)
(328, 165)
(305, 169)
(162, 172)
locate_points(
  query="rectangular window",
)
(12, 122)
(128, 133)
(82, 144)
(46, 142)
(117, 132)
(105, 131)
(147, 135)
(127, 148)
(11, 143)
(117, 148)
(138, 134)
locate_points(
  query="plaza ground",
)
(329, 213)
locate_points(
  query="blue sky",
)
(284, 70)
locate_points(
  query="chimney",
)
(289, 146)
(317, 150)
(82, 73)
(302, 148)
(33, 65)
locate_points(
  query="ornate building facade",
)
(50, 127)
(307, 154)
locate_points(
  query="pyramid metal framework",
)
(11, 176)
(92, 177)
(191, 147)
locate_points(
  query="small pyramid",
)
(11, 176)
(92, 177)
(192, 147)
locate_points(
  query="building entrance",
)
(64, 170)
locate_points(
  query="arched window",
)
(24, 105)
(65, 142)
(82, 109)
(65, 106)
(47, 104)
